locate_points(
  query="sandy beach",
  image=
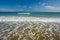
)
(29, 29)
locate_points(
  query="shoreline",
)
(16, 18)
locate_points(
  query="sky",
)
(30, 5)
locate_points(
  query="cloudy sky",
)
(30, 5)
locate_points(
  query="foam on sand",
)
(30, 31)
(29, 28)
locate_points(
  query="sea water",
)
(31, 14)
(29, 25)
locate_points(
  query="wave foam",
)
(29, 31)
(42, 19)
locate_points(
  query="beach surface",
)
(29, 28)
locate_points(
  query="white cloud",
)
(9, 10)
(52, 8)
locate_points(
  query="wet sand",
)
(29, 30)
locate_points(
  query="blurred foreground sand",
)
(29, 30)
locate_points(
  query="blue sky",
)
(30, 5)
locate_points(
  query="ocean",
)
(29, 25)
(31, 14)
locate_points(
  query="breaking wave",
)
(18, 18)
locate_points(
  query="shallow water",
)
(30, 26)
(29, 30)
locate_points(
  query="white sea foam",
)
(42, 19)
(17, 28)
(17, 25)
(24, 13)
